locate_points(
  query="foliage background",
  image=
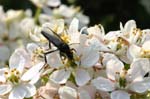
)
(109, 13)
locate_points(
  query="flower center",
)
(13, 76)
(121, 78)
(37, 53)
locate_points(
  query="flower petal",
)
(55, 25)
(129, 25)
(31, 90)
(73, 28)
(103, 84)
(96, 31)
(54, 3)
(139, 87)
(89, 89)
(107, 57)
(98, 45)
(31, 47)
(112, 67)
(145, 47)
(146, 36)
(63, 9)
(133, 52)
(89, 57)
(54, 60)
(36, 78)
(60, 76)
(18, 92)
(32, 72)
(112, 35)
(4, 89)
(2, 74)
(18, 60)
(84, 95)
(143, 64)
(82, 77)
(67, 93)
(120, 95)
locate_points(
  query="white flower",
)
(97, 34)
(43, 17)
(131, 33)
(85, 56)
(128, 27)
(26, 25)
(56, 25)
(97, 31)
(70, 91)
(135, 51)
(36, 52)
(43, 3)
(63, 9)
(13, 15)
(36, 35)
(15, 81)
(67, 93)
(120, 80)
(49, 91)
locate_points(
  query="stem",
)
(36, 17)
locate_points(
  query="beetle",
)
(64, 49)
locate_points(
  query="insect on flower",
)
(62, 46)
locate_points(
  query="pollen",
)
(38, 51)
(6, 73)
(145, 53)
(65, 38)
(122, 41)
(97, 96)
(117, 73)
(137, 31)
(17, 73)
(56, 96)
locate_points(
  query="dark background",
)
(109, 13)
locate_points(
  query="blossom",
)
(111, 65)
(41, 4)
(58, 13)
(15, 80)
(15, 26)
(85, 57)
(135, 51)
(70, 91)
(121, 81)
(49, 91)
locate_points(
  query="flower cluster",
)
(63, 59)
(17, 25)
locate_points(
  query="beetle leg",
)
(48, 53)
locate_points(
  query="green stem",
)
(36, 17)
